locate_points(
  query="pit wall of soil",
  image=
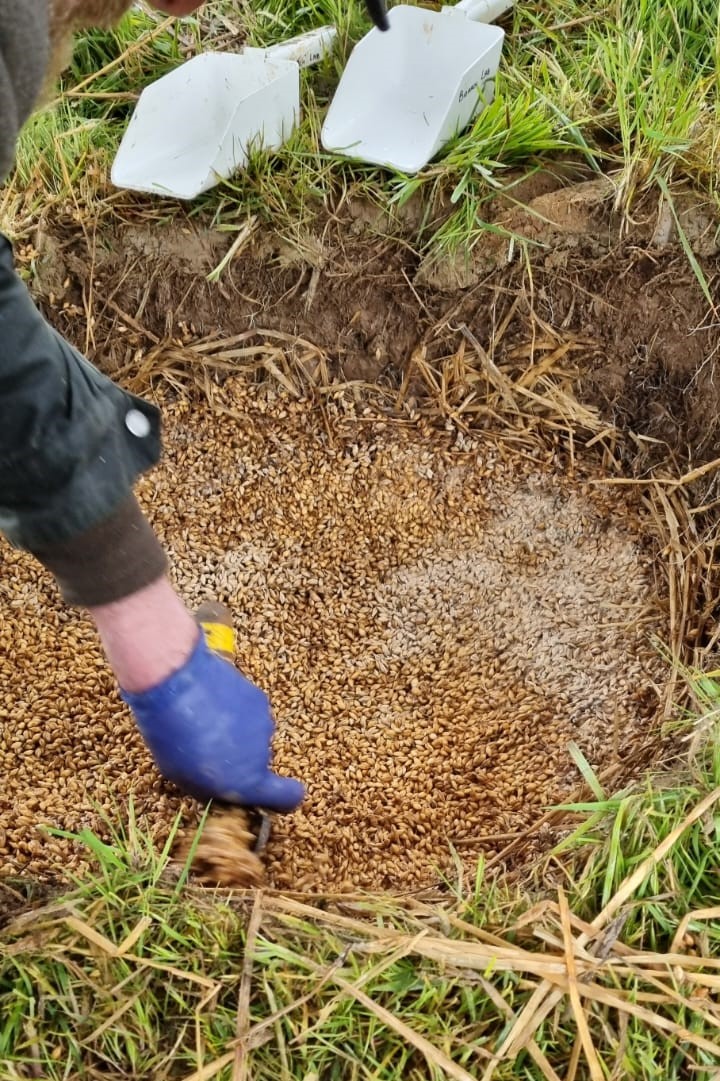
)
(623, 295)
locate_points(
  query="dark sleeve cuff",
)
(109, 561)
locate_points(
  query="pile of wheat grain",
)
(433, 623)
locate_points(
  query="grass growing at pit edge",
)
(135, 973)
(629, 87)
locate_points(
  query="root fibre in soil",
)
(434, 620)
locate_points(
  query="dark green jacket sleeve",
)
(72, 444)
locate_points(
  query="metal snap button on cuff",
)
(137, 423)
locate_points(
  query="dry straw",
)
(559, 960)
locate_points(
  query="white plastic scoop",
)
(405, 93)
(196, 125)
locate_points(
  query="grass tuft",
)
(135, 973)
(630, 88)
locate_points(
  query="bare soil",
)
(370, 303)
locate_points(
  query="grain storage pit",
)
(434, 621)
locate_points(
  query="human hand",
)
(209, 731)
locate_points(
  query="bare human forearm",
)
(146, 636)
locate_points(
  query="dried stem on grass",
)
(571, 970)
(341, 950)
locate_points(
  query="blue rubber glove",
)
(209, 731)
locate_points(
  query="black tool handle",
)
(378, 14)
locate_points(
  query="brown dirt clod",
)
(223, 855)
